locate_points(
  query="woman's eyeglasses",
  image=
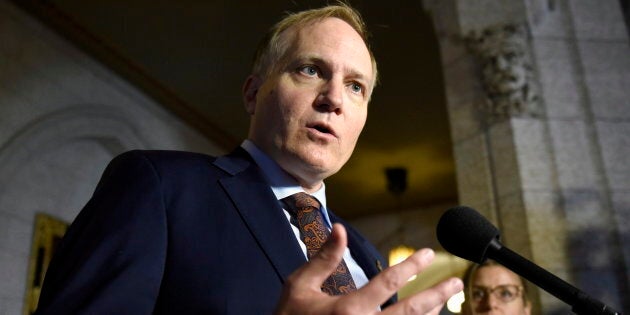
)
(505, 293)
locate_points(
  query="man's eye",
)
(308, 70)
(356, 88)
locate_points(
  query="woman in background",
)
(491, 288)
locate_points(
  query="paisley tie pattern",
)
(305, 210)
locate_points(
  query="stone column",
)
(538, 96)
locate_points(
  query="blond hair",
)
(273, 47)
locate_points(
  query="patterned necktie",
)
(305, 210)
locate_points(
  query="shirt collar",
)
(282, 184)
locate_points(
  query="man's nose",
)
(330, 98)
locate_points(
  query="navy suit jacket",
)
(171, 232)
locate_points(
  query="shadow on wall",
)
(599, 270)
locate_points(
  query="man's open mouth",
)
(323, 129)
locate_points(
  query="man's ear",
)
(250, 90)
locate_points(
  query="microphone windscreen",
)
(465, 233)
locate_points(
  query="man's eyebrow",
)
(309, 58)
(357, 75)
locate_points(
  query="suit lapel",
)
(361, 250)
(368, 258)
(261, 212)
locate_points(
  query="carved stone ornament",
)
(506, 72)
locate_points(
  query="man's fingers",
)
(307, 280)
(320, 266)
(390, 280)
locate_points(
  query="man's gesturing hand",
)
(302, 293)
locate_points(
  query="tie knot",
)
(301, 202)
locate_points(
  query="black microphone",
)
(465, 233)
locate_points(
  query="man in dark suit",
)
(184, 233)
